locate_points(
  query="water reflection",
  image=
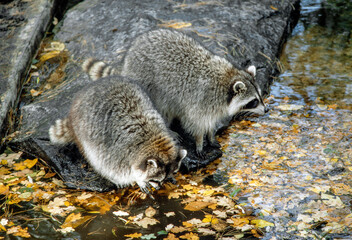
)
(318, 57)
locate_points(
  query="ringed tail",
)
(60, 133)
(97, 69)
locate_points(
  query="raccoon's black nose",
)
(171, 180)
(266, 109)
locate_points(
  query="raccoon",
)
(187, 82)
(120, 133)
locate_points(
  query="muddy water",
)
(293, 166)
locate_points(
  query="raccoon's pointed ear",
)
(183, 153)
(152, 162)
(239, 87)
(252, 70)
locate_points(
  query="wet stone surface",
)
(250, 32)
(22, 27)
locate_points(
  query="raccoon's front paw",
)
(215, 144)
(155, 185)
(201, 154)
(145, 187)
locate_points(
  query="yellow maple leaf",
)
(134, 235)
(19, 232)
(75, 219)
(210, 219)
(208, 192)
(190, 236)
(4, 189)
(19, 166)
(70, 219)
(174, 195)
(213, 206)
(239, 222)
(30, 163)
(187, 187)
(187, 224)
(260, 223)
(171, 236)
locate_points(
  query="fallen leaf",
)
(190, 236)
(187, 224)
(149, 236)
(210, 219)
(239, 222)
(171, 236)
(49, 175)
(10, 157)
(4, 189)
(74, 220)
(134, 235)
(120, 213)
(178, 229)
(332, 201)
(146, 221)
(220, 214)
(206, 231)
(19, 232)
(49, 55)
(150, 212)
(260, 223)
(170, 214)
(197, 205)
(174, 195)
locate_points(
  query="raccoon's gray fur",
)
(118, 130)
(188, 82)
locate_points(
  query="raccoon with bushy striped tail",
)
(120, 133)
(187, 82)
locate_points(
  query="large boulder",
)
(245, 32)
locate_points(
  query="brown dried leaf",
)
(146, 221)
(171, 236)
(150, 212)
(197, 205)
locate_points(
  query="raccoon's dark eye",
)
(252, 104)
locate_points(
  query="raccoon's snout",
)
(172, 180)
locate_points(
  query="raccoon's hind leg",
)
(212, 140)
(60, 133)
(199, 145)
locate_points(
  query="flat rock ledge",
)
(245, 32)
(22, 27)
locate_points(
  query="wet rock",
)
(22, 26)
(250, 32)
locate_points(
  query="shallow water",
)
(293, 166)
(284, 162)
